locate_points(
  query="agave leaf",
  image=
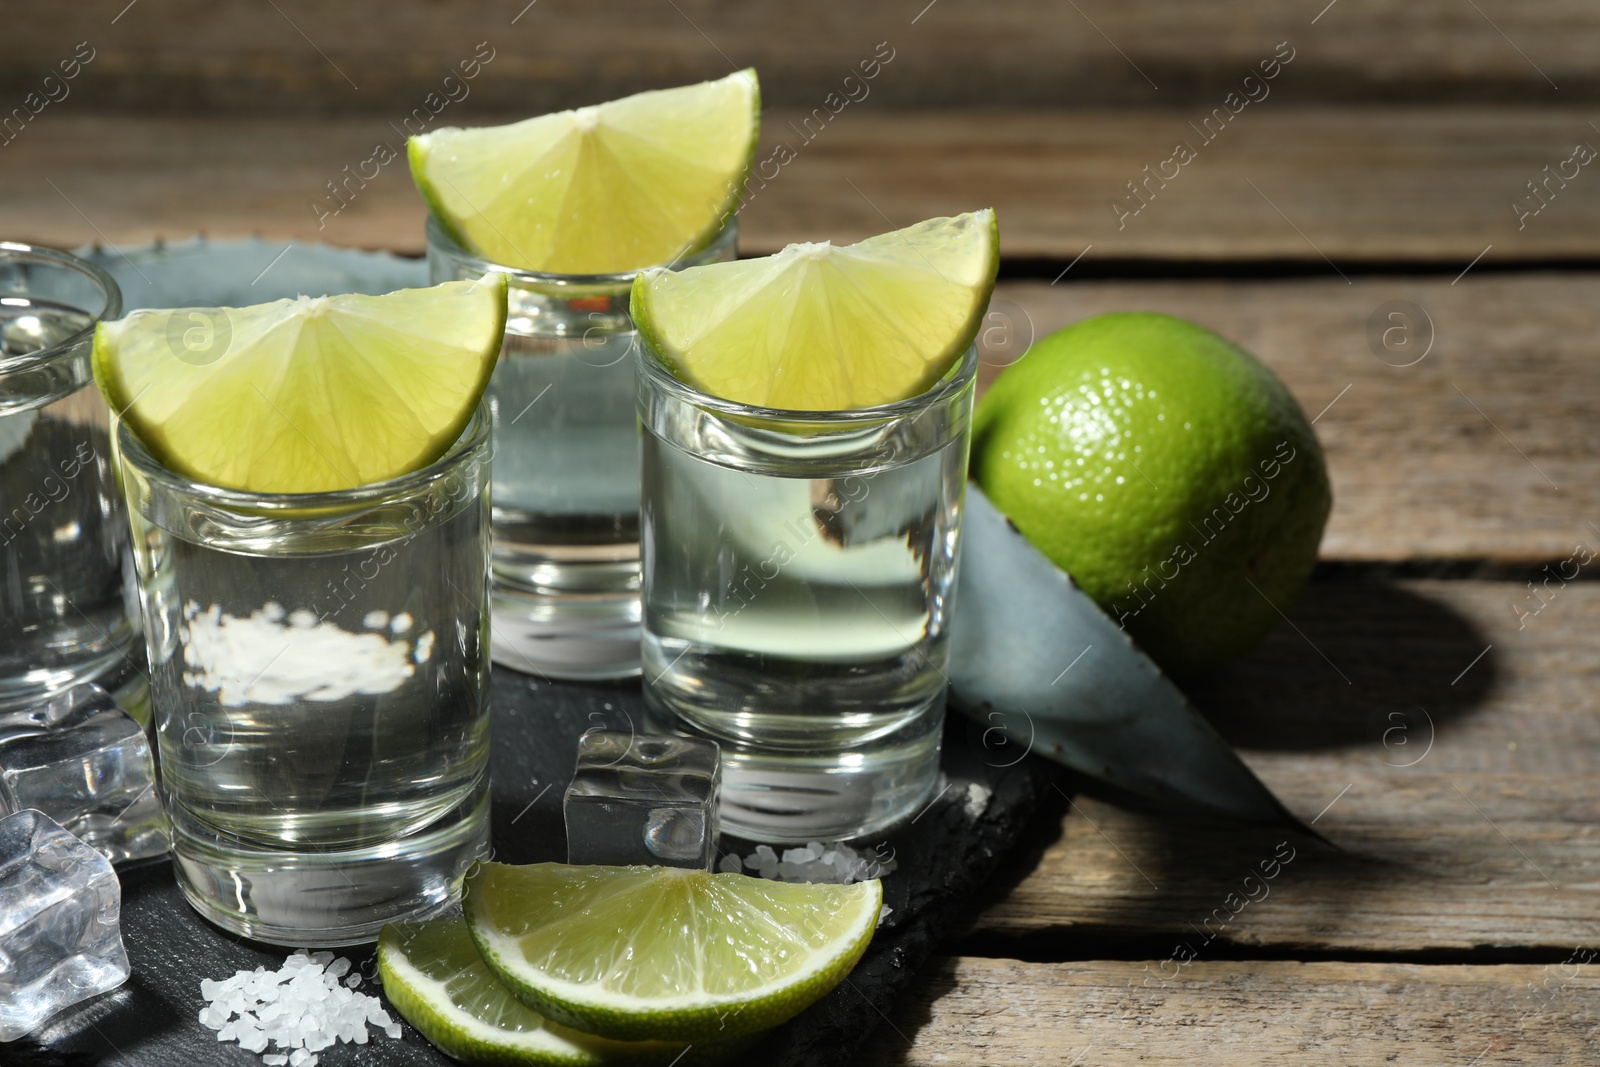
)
(1034, 657)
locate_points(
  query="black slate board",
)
(943, 855)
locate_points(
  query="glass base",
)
(572, 636)
(327, 899)
(789, 796)
(94, 658)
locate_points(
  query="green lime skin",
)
(1168, 471)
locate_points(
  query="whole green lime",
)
(1167, 470)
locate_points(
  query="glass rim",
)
(17, 251)
(438, 236)
(473, 437)
(958, 377)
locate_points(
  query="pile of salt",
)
(306, 1006)
(835, 864)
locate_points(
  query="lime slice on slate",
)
(433, 976)
(663, 952)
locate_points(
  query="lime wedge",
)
(601, 190)
(305, 395)
(433, 975)
(663, 952)
(820, 328)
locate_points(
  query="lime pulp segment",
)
(305, 395)
(819, 327)
(633, 952)
(433, 975)
(604, 189)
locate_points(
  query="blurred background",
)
(1280, 171)
(1141, 154)
(1390, 127)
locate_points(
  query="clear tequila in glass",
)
(320, 679)
(66, 596)
(798, 572)
(566, 470)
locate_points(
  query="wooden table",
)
(1428, 703)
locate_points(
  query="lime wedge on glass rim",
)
(819, 327)
(604, 189)
(433, 976)
(664, 952)
(306, 395)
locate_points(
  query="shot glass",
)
(319, 675)
(566, 470)
(798, 575)
(67, 611)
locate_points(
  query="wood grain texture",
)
(981, 1012)
(1482, 449)
(1324, 187)
(1450, 754)
(370, 56)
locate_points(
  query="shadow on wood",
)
(1354, 663)
(894, 1040)
(1184, 890)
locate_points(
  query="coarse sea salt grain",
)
(835, 864)
(976, 799)
(303, 1008)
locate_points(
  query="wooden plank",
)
(1450, 754)
(375, 56)
(1327, 187)
(1445, 459)
(1483, 449)
(981, 1012)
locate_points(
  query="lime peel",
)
(636, 952)
(434, 977)
(604, 189)
(823, 327)
(306, 395)
(1170, 472)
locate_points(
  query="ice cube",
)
(86, 763)
(647, 800)
(59, 907)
